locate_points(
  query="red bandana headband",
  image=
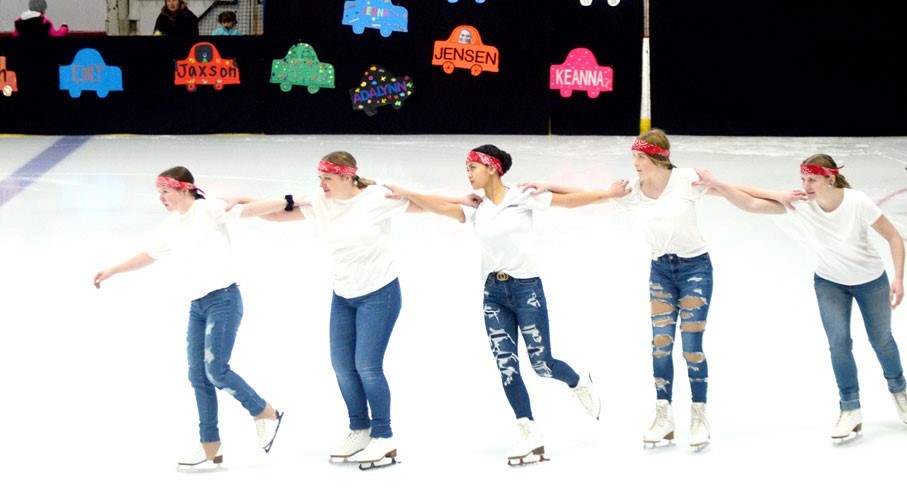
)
(486, 159)
(168, 182)
(819, 170)
(649, 149)
(331, 168)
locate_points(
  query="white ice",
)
(95, 395)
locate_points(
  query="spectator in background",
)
(227, 20)
(176, 19)
(33, 24)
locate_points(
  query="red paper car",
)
(204, 66)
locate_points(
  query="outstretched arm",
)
(571, 197)
(135, 262)
(884, 227)
(269, 210)
(432, 203)
(738, 197)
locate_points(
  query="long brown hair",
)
(180, 173)
(825, 160)
(347, 159)
(658, 138)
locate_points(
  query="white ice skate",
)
(267, 430)
(662, 428)
(530, 447)
(848, 427)
(379, 453)
(900, 400)
(586, 396)
(198, 462)
(353, 444)
(699, 427)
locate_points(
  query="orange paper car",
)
(204, 66)
(7, 79)
(464, 50)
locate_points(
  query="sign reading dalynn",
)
(301, 67)
(88, 72)
(7, 79)
(582, 73)
(464, 50)
(382, 15)
(379, 88)
(204, 66)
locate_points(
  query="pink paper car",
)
(581, 72)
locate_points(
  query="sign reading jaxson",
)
(204, 66)
(581, 72)
(464, 50)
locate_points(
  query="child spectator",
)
(227, 20)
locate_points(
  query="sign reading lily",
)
(581, 72)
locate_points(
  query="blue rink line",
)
(23, 177)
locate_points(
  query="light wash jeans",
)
(213, 323)
(360, 330)
(835, 303)
(519, 305)
(680, 288)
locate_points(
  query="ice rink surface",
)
(96, 399)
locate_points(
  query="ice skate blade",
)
(267, 448)
(341, 460)
(667, 441)
(852, 437)
(697, 448)
(381, 463)
(521, 462)
(205, 467)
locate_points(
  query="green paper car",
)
(301, 67)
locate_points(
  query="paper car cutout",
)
(204, 66)
(382, 15)
(581, 72)
(301, 67)
(88, 72)
(379, 88)
(464, 50)
(7, 79)
(482, 1)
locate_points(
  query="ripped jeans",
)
(680, 288)
(518, 304)
(835, 304)
(213, 324)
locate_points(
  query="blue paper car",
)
(88, 72)
(375, 14)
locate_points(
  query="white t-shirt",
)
(670, 222)
(356, 231)
(841, 238)
(505, 232)
(199, 243)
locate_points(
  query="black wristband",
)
(290, 203)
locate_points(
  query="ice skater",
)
(195, 236)
(837, 219)
(514, 300)
(663, 198)
(356, 221)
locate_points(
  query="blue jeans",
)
(519, 304)
(360, 330)
(213, 324)
(680, 288)
(835, 303)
